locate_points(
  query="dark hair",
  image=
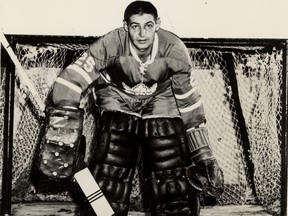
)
(140, 7)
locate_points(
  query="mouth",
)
(142, 41)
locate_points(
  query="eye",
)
(149, 26)
(135, 27)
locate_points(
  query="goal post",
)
(7, 116)
(284, 147)
(243, 86)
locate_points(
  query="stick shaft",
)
(21, 74)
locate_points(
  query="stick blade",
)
(93, 193)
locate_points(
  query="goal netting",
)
(242, 94)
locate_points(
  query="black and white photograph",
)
(143, 107)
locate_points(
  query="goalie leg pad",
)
(166, 155)
(116, 159)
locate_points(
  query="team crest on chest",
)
(140, 89)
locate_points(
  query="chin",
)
(142, 46)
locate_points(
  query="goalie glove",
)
(59, 151)
(204, 174)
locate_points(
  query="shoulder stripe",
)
(80, 71)
(187, 94)
(69, 85)
(191, 108)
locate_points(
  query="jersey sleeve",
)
(184, 85)
(75, 79)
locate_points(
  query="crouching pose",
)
(147, 98)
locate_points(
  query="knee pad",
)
(164, 143)
(116, 158)
(116, 136)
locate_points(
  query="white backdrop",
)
(186, 18)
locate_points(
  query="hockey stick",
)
(83, 176)
(24, 79)
(92, 191)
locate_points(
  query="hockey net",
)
(258, 71)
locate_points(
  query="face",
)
(142, 29)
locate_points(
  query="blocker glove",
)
(204, 174)
(60, 149)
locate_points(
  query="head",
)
(141, 21)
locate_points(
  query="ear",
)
(125, 25)
(158, 23)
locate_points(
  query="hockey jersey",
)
(164, 85)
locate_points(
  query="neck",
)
(143, 54)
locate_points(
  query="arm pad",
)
(60, 148)
(198, 143)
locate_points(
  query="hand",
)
(62, 143)
(206, 176)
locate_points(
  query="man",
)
(147, 99)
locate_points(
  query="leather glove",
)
(61, 147)
(204, 174)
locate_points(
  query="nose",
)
(142, 32)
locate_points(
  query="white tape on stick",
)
(93, 193)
